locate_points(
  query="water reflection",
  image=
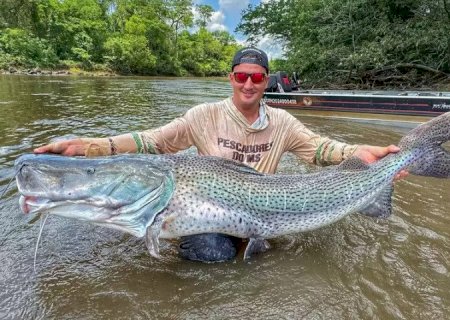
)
(357, 268)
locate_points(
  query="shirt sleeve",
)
(314, 148)
(170, 138)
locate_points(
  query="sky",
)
(226, 16)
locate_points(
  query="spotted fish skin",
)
(169, 196)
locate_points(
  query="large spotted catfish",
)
(169, 196)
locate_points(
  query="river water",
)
(358, 268)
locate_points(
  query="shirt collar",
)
(260, 124)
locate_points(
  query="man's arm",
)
(324, 151)
(312, 147)
(173, 137)
(91, 146)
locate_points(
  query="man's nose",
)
(248, 83)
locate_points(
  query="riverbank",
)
(58, 72)
(74, 71)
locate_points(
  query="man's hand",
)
(77, 147)
(371, 154)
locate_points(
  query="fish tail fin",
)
(425, 142)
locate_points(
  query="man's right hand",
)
(89, 147)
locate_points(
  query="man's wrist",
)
(96, 147)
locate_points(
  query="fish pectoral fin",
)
(255, 246)
(381, 207)
(152, 239)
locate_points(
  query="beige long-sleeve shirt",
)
(219, 129)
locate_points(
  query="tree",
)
(130, 54)
(205, 13)
(16, 13)
(203, 53)
(179, 16)
(20, 48)
(128, 36)
(359, 42)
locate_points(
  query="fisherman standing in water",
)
(242, 128)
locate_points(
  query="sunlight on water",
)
(358, 268)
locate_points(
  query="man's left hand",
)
(371, 154)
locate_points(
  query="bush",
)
(129, 54)
(18, 48)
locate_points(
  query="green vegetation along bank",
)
(365, 43)
(330, 43)
(157, 37)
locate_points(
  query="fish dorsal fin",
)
(381, 207)
(353, 163)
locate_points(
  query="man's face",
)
(247, 94)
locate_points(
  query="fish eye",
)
(90, 170)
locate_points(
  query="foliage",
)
(130, 54)
(20, 48)
(206, 54)
(128, 36)
(205, 13)
(363, 42)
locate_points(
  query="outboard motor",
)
(283, 80)
(272, 85)
(279, 82)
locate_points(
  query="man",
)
(242, 128)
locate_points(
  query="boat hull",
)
(413, 104)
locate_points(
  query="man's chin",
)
(249, 99)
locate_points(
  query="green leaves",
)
(205, 13)
(20, 48)
(362, 42)
(206, 54)
(148, 37)
(130, 54)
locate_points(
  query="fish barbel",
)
(169, 196)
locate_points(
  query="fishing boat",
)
(405, 106)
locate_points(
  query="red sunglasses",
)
(241, 77)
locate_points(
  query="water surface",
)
(358, 268)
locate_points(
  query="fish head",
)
(121, 192)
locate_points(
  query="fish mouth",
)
(33, 204)
(81, 209)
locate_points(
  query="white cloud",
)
(217, 22)
(233, 8)
(273, 48)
